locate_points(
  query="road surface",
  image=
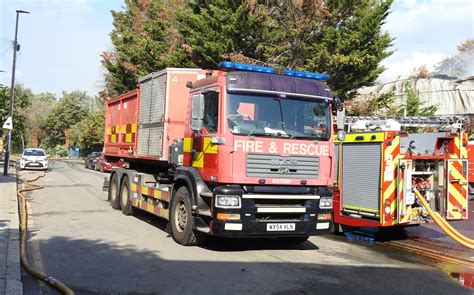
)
(76, 237)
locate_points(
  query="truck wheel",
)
(181, 219)
(125, 203)
(113, 192)
(294, 240)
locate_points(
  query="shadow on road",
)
(96, 267)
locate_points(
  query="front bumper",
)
(257, 229)
(271, 214)
(34, 165)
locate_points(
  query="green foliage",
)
(70, 110)
(414, 106)
(145, 41)
(383, 104)
(40, 107)
(89, 132)
(58, 151)
(21, 102)
(342, 38)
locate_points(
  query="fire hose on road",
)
(444, 225)
(29, 185)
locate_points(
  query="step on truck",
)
(380, 167)
(244, 151)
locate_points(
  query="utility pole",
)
(12, 92)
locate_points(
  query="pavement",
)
(10, 269)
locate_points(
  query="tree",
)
(460, 64)
(41, 105)
(20, 103)
(89, 132)
(414, 106)
(70, 110)
(145, 41)
(383, 104)
(342, 38)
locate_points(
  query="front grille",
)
(276, 166)
(274, 207)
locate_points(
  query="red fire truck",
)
(244, 151)
(379, 167)
(470, 155)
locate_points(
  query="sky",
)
(61, 40)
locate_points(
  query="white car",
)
(34, 158)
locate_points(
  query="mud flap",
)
(405, 195)
(456, 189)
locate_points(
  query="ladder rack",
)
(411, 121)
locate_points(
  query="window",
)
(211, 111)
(292, 116)
(38, 153)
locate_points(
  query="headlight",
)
(325, 203)
(223, 201)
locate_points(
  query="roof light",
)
(309, 75)
(227, 65)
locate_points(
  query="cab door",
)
(456, 189)
(200, 148)
(405, 195)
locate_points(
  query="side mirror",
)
(197, 124)
(197, 113)
(340, 118)
(337, 104)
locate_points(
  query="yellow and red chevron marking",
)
(206, 152)
(164, 213)
(457, 149)
(150, 192)
(113, 133)
(127, 132)
(390, 161)
(457, 191)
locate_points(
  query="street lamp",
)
(6, 163)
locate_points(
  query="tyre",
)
(181, 219)
(124, 197)
(113, 192)
(294, 240)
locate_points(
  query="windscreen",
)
(278, 116)
(37, 153)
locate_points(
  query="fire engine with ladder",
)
(384, 175)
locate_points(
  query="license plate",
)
(280, 226)
(34, 164)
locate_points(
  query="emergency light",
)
(227, 65)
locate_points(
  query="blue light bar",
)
(227, 65)
(309, 75)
